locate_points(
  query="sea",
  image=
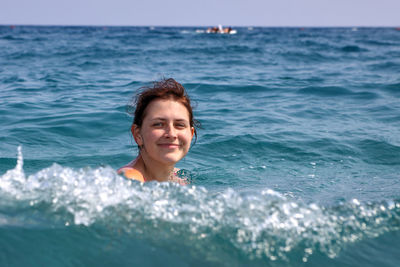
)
(297, 161)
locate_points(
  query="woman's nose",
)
(170, 131)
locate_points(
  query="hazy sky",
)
(202, 12)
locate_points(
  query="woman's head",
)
(163, 126)
(166, 89)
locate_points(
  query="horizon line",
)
(192, 26)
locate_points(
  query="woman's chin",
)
(171, 159)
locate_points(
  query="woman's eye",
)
(157, 124)
(181, 125)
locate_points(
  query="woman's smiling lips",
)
(168, 145)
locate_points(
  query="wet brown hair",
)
(163, 89)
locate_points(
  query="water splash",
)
(13, 179)
(262, 225)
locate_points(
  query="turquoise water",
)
(297, 162)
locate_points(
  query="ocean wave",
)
(12, 80)
(379, 152)
(264, 225)
(223, 87)
(328, 91)
(378, 42)
(9, 37)
(393, 88)
(353, 48)
(24, 55)
(307, 56)
(391, 66)
(337, 91)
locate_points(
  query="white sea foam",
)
(264, 224)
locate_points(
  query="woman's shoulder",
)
(131, 173)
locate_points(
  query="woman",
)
(163, 128)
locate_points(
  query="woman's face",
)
(165, 133)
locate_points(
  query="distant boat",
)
(221, 30)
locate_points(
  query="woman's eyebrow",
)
(164, 119)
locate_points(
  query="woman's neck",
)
(153, 170)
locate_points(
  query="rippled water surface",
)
(297, 162)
